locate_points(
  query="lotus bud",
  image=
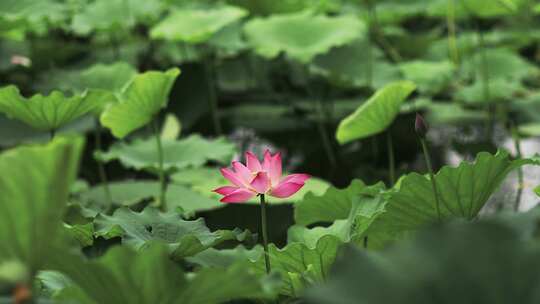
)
(420, 126)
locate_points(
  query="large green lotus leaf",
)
(485, 261)
(52, 282)
(523, 223)
(431, 77)
(394, 12)
(364, 209)
(114, 15)
(184, 238)
(234, 282)
(463, 9)
(36, 16)
(492, 8)
(301, 36)
(34, 194)
(376, 114)
(192, 151)
(334, 204)
(141, 100)
(270, 7)
(355, 73)
(501, 64)
(101, 82)
(343, 107)
(203, 180)
(43, 112)
(301, 265)
(229, 41)
(148, 276)
(352, 211)
(196, 25)
(212, 257)
(111, 77)
(462, 192)
(265, 117)
(529, 129)
(14, 132)
(82, 234)
(499, 90)
(128, 193)
(527, 109)
(453, 113)
(341, 229)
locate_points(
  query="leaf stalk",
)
(162, 180)
(431, 176)
(265, 234)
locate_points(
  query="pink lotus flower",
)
(255, 178)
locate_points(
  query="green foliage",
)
(376, 114)
(44, 112)
(193, 151)
(491, 8)
(301, 36)
(33, 16)
(501, 64)
(462, 192)
(184, 238)
(196, 25)
(453, 113)
(101, 82)
(268, 70)
(130, 193)
(480, 260)
(268, 7)
(529, 130)
(110, 77)
(334, 204)
(30, 216)
(500, 90)
(139, 102)
(361, 72)
(114, 15)
(300, 265)
(124, 276)
(431, 77)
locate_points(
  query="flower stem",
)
(484, 73)
(101, 167)
(391, 158)
(517, 146)
(325, 137)
(52, 133)
(162, 181)
(265, 233)
(115, 46)
(321, 120)
(392, 53)
(431, 176)
(370, 63)
(212, 92)
(366, 242)
(451, 26)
